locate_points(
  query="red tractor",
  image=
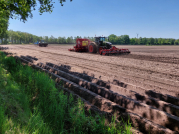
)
(99, 46)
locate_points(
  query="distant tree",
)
(59, 40)
(26, 38)
(92, 38)
(160, 41)
(112, 38)
(167, 42)
(137, 41)
(144, 41)
(52, 40)
(16, 37)
(64, 40)
(163, 41)
(112, 35)
(118, 40)
(68, 40)
(11, 35)
(176, 42)
(55, 40)
(20, 36)
(132, 41)
(4, 23)
(155, 41)
(172, 41)
(35, 38)
(78, 37)
(126, 39)
(85, 37)
(151, 41)
(46, 38)
(140, 41)
(72, 40)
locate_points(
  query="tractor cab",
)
(101, 42)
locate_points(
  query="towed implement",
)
(99, 46)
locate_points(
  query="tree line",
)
(124, 39)
(63, 40)
(4, 22)
(17, 37)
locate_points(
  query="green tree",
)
(64, 40)
(151, 41)
(163, 41)
(11, 36)
(112, 38)
(46, 39)
(20, 36)
(141, 41)
(132, 41)
(144, 41)
(160, 41)
(167, 42)
(172, 41)
(4, 23)
(137, 41)
(59, 40)
(155, 41)
(35, 38)
(68, 40)
(126, 39)
(4, 37)
(176, 42)
(118, 40)
(72, 40)
(16, 37)
(22, 9)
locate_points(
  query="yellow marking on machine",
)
(84, 43)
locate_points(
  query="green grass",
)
(30, 103)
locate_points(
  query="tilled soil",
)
(143, 85)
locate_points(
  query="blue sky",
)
(149, 18)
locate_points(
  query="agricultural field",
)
(142, 86)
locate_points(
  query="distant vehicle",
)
(42, 43)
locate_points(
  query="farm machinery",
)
(42, 43)
(98, 46)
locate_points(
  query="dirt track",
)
(145, 83)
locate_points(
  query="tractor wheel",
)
(92, 48)
(100, 50)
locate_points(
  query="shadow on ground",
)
(4, 48)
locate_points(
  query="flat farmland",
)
(144, 84)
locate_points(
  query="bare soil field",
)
(143, 84)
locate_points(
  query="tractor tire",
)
(92, 48)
